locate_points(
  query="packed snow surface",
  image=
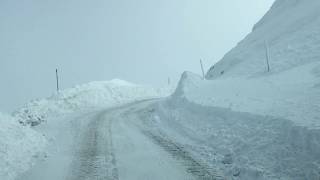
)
(22, 146)
(106, 144)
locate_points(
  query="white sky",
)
(143, 41)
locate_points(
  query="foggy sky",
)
(142, 41)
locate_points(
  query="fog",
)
(142, 41)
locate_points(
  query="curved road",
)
(110, 145)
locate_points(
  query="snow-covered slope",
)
(20, 146)
(238, 145)
(86, 97)
(291, 89)
(291, 29)
(254, 124)
(292, 95)
(268, 127)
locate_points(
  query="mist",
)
(142, 41)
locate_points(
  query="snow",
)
(43, 131)
(242, 123)
(20, 146)
(240, 146)
(64, 140)
(291, 29)
(88, 96)
(132, 146)
(292, 95)
(262, 127)
(104, 144)
(248, 123)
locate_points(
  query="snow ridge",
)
(93, 95)
(21, 145)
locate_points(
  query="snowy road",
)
(113, 145)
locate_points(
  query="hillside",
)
(257, 124)
(291, 30)
(240, 80)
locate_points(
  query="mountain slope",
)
(291, 30)
(255, 124)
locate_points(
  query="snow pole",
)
(203, 76)
(267, 55)
(57, 79)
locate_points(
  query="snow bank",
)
(293, 94)
(240, 80)
(187, 82)
(250, 123)
(264, 127)
(237, 145)
(291, 29)
(86, 97)
(20, 146)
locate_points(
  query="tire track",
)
(195, 168)
(95, 159)
(178, 152)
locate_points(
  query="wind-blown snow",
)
(20, 146)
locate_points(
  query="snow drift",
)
(86, 97)
(20, 146)
(292, 95)
(266, 127)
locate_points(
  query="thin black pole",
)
(203, 76)
(57, 77)
(267, 55)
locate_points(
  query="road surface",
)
(113, 145)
